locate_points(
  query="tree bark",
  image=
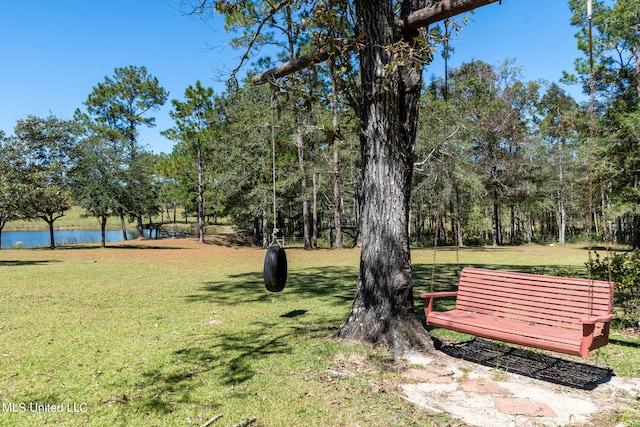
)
(337, 206)
(200, 196)
(140, 225)
(635, 240)
(314, 212)
(265, 224)
(103, 231)
(52, 242)
(123, 225)
(383, 310)
(495, 220)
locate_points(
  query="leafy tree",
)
(96, 182)
(167, 171)
(615, 83)
(445, 174)
(246, 178)
(119, 106)
(11, 187)
(494, 105)
(292, 29)
(46, 146)
(195, 132)
(559, 129)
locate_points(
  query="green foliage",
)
(43, 156)
(95, 180)
(624, 270)
(116, 108)
(197, 133)
(616, 88)
(122, 102)
(10, 184)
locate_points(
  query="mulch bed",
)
(533, 364)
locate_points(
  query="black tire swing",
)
(275, 268)
(275, 261)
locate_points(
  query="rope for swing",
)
(274, 234)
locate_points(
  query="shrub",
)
(624, 270)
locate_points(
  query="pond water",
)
(36, 239)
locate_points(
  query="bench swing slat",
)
(565, 315)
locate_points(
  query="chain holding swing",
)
(594, 137)
(275, 261)
(455, 233)
(274, 234)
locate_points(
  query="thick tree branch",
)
(420, 18)
(291, 67)
(439, 12)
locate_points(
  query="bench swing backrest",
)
(532, 298)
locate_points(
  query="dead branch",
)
(245, 423)
(212, 420)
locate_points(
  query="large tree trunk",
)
(200, 197)
(139, 224)
(103, 231)
(383, 306)
(561, 210)
(314, 212)
(635, 239)
(337, 206)
(123, 225)
(52, 242)
(383, 309)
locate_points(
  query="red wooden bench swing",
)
(560, 314)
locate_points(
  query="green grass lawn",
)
(172, 333)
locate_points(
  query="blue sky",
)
(54, 53)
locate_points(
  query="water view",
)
(36, 239)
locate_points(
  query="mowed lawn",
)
(173, 333)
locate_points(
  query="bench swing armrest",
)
(429, 297)
(598, 319)
(589, 331)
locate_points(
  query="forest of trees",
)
(498, 160)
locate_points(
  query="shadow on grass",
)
(233, 356)
(232, 360)
(16, 263)
(334, 283)
(531, 364)
(116, 246)
(624, 343)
